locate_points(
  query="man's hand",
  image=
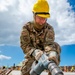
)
(37, 54)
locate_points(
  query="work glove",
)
(37, 54)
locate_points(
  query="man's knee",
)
(25, 70)
(26, 67)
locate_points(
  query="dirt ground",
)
(15, 72)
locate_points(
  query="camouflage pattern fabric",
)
(31, 39)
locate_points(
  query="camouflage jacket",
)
(30, 39)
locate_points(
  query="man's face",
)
(40, 20)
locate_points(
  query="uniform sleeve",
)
(26, 43)
(50, 45)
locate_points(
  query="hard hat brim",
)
(44, 16)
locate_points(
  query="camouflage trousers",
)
(26, 66)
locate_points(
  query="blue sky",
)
(72, 3)
(15, 13)
(14, 53)
(67, 55)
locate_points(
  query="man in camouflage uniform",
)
(37, 37)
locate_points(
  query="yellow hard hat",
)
(41, 8)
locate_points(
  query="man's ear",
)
(34, 16)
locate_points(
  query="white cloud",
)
(64, 21)
(3, 57)
(5, 3)
(17, 12)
